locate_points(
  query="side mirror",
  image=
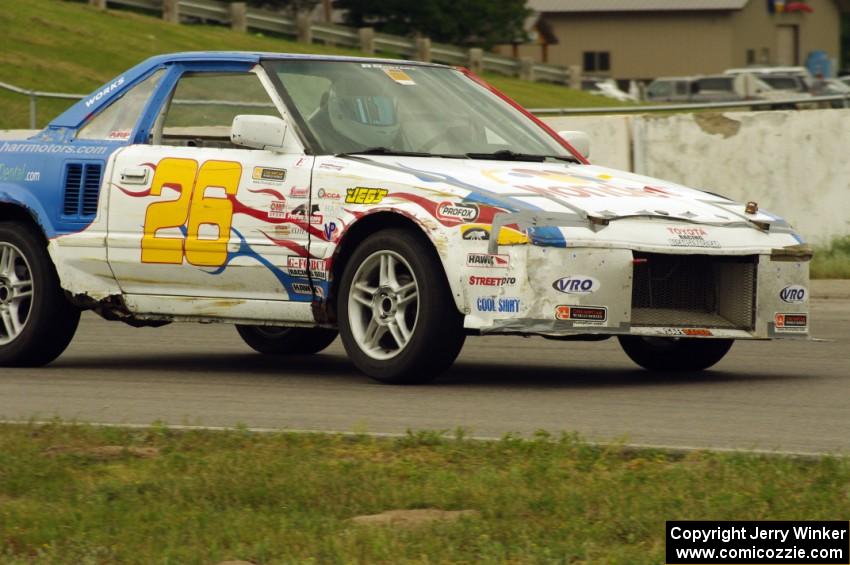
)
(579, 140)
(258, 132)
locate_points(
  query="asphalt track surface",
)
(782, 395)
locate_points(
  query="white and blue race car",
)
(402, 205)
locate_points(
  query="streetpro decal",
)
(492, 281)
(576, 284)
(793, 294)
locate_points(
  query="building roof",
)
(633, 5)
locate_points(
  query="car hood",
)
(587, 191)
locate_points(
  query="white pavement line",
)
(672, 449)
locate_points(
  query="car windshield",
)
(350, 107)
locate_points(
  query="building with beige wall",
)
(644, 39)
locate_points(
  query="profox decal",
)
(456, 211)
(109, 89)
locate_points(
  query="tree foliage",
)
(481, 23)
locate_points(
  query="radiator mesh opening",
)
(694, 290)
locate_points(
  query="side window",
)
(119, 118)
(203, 106)
(681, 88)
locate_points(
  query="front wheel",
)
(397, 316)
(675, 354)
(36, 320)
(271, 340)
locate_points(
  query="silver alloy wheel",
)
(383, 305)
(16, 289)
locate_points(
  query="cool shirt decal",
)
(493, 304)
(793, 294)
(576, 284)
(363, 195)
(488, 260)
(456, 211)
(190, 211)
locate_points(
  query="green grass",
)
(62, 46)
(832, 261)
(288, 498)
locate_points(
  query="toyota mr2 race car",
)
(402, 205)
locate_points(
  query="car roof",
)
(91, 104)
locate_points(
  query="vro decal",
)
(793, 294)
(576, 284)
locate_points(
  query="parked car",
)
(762, 70)
(714, 88)
(402, 205)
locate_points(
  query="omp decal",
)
(581, 313)
(364, 195)
(576, 284)
(793, 294)
(457, 211)
(268, 174)
(193, 209)
(488, 260)
(277, 209)
(495, 304)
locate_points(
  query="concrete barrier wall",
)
(795, 164)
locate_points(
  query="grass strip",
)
(832, 261)
(83, 494)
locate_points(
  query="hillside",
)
(63, 46)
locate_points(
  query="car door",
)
(193, 215)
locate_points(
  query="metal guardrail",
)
(33, 96)
(264, 20)
(642, 109)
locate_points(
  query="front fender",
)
(15, 195)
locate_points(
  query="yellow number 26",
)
(194, 207)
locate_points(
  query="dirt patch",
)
(413, 518)
(717, 124)
(104, 452)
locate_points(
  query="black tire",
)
(271, 340)
(437, 335)
(675, 354)
(49, 319)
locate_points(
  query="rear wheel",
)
(397, 316)
(272, 340)
(36, 320)
(675, 354)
